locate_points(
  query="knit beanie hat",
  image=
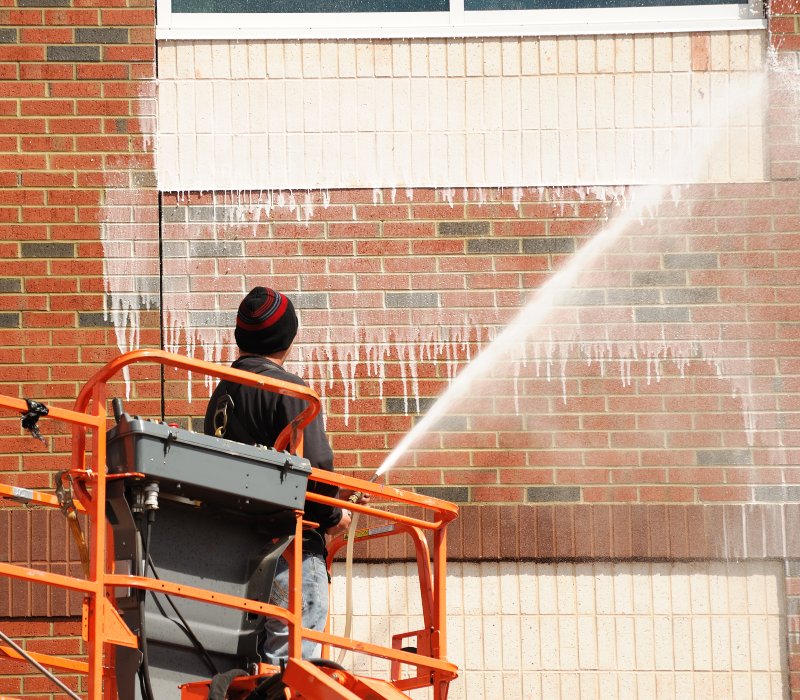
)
(266, 322)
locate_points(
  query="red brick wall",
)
(702, 293)
(784, 108)
(76, 161)
(603, 459)
(40, 636)
(624, 467)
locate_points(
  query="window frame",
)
(457, 22)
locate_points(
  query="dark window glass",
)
(306, 6)
(327, 6)
(582, 4)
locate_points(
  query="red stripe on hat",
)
(267, 322)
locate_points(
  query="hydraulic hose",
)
(348, 583)
(348, 569)
(144, 668)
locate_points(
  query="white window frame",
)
(457, 22)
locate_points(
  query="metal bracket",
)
(64, 496)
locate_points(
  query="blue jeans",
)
(315, 608)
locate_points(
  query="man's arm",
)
(317, 450)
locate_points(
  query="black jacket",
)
(260, 415)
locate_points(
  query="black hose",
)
(271, 688)
(144, 667)
(218, 689)
(183, 625)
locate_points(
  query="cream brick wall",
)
(459, 112)
(633, 631)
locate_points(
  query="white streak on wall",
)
(448, 336)
(130, 260)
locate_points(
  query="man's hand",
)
(342, 525)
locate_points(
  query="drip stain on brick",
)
(224, 213)
(212, 319)
(147, 298)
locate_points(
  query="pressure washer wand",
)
(356, 496)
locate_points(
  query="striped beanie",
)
(266, 322)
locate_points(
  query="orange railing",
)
(103, 626)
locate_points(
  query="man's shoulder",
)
(263, 366)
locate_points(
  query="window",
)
(305, 6)
(328, 19)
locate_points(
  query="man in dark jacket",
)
(266, 325)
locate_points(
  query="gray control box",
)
(207, 469)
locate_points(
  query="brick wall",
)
(784, 138)
(40, 636)
(653, 418)
(593, 406)
(784, 108)
(76, 168)
(666, 429)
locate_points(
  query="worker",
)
(266, 325)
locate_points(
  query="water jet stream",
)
(643, 204)
(529, 317)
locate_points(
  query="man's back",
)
(257, 416)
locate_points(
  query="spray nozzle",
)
(356, 496)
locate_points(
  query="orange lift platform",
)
(179, 536)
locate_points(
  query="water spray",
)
(528, 317)
(517, 331)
